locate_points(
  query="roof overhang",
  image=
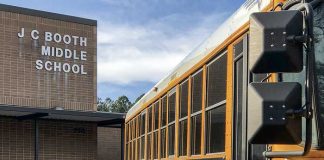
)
(103, 119)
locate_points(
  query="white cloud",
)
(145, 52)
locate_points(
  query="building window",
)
(183, 112)
(196, 106)
(216, 100)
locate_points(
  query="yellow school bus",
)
(253, 90)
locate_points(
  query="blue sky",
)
(140, 41)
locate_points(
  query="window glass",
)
(171, 139)
(156, 115)
(216, 80)
(133, 149)
(171, 107)
(142, 123)
(215, 130)
(155, 144)
(133, 127)
(163, 143)
(164, 111)
(183, 138)
(196, 134)
(196, 95)
(149, 115)
(130, 150)
(183, 99)
(238, 108)
(142, 147)
(148, 145)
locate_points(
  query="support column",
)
(36, 140)
(122, 140)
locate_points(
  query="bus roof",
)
(225, 30)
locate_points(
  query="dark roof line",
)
(44, 14)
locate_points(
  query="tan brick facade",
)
(62, 134)
(58, 140)
(109, 143)
(23, 85)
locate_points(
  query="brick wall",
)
(16, 139)
(109, 147)
(58, 140)
(22, 84)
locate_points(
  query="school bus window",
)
(142, 123)
(196, 106)
(215, 130)
(171, 107)
(149, 136)
(183, 138)
(195, 134)
(163, 127)
(142, 134)
(183, 112)
(142, 146)
(183, 99)
(155, 143)
(171, 121)
(163, 143)
(216, 99)
(196, 95)
(164, 111)
(216, 80)
(156, 115)
(149, 142)
(156, 127)
(149, 116)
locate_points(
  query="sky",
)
(141, 41)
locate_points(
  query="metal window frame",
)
(243, 56)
